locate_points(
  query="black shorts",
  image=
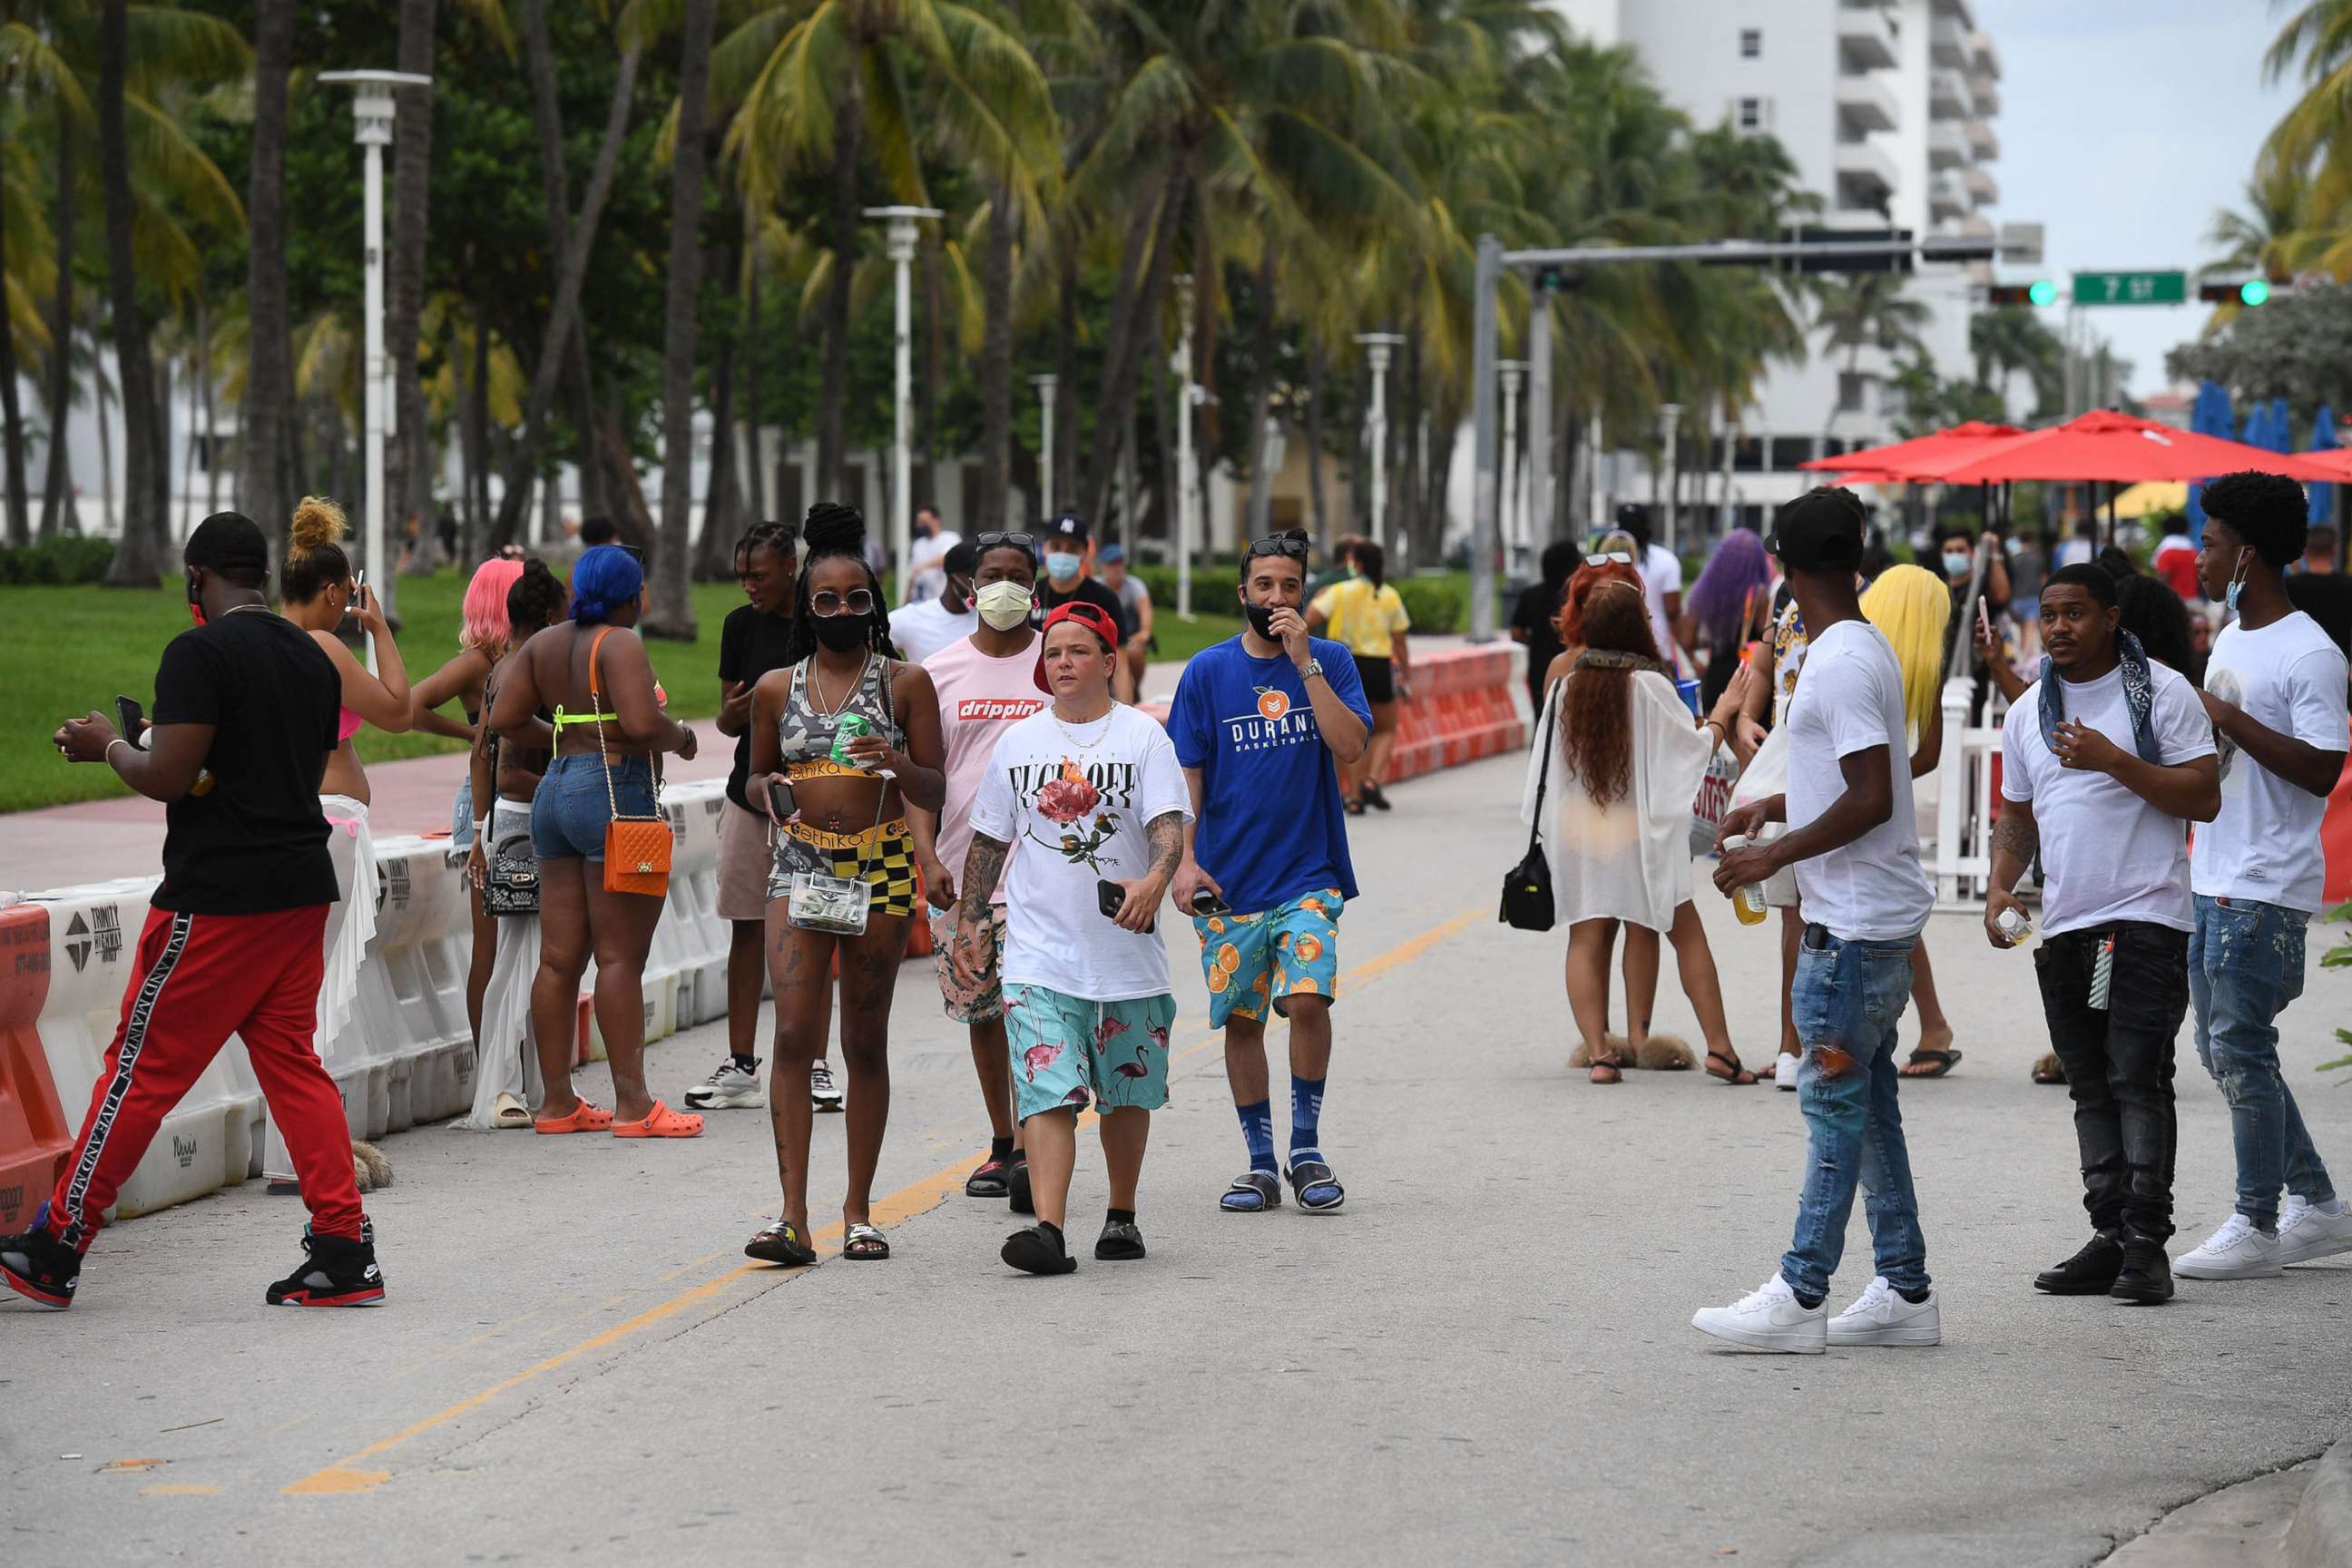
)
(1378, 676)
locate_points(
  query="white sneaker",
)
(1768, 1317)
(2306, 1233)
(2236, 1251)
(728, 1089)
(1784, 1070)
(824, 1093)
(1880, 1316)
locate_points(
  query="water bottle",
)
(2011, 923)
(1748, 903)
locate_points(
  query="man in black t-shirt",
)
(1532, 618)
(245, 716)
(1066, 552)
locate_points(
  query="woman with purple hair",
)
(1731, 602)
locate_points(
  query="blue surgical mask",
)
(1061, 566)
(2237, 581)
(1957, 564)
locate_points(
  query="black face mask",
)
(840, 633)
(1260, 619)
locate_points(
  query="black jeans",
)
(2119, 1067)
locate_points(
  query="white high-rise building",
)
(1886, 108)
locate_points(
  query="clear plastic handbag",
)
(814, 901)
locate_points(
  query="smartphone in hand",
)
(780, 798)
(1110, 898)
(1206, 902)
(131, 719)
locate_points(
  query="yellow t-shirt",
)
(1364, 617)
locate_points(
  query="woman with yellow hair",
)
(1912, 607)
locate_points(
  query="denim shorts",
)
(569, 814)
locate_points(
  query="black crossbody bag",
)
(510, 868)
(1526, 889)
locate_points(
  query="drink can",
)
(1688, 691)
(848, 728)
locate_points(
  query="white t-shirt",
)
(980, 697)
(1077, 814)
(926, 577)
(1849, 699)
(923, 628)
(1661, 573)
(2265, 846)
(2106, 855)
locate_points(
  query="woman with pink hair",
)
(484, 637)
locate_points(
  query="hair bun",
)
(317, 522)
(832, 528)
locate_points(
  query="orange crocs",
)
(584, 1118)
(661, 1121)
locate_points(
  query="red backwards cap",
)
(1091, 616)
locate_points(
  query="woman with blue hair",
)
(590, 671)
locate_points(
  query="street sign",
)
(2131, 288)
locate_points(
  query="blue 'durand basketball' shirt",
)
(1272, 826)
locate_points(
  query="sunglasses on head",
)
(1609, 558)
(633, 552)
(1027, 542)
(1294, 546)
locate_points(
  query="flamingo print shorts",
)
(1069, 1051)
(1254, 961)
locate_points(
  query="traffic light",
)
(2042, 291)
(2246, 291)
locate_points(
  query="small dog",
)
(1659, 1053)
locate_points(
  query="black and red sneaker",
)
(38, 1267)
(340, 1273)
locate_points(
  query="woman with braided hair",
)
(844, 737)
(1616, 763)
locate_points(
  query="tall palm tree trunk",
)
(1125, 304)
(672, 608)
(211, 413)
(714, 552)
(55, 490)
(263, 439)
(408, 476)
(849, 125)
(20, 526)
(1066, 382)
(756, 475)
(139, 558)
(1322, 524)
(1116, 417)
(996, 367)
(473, 422)
(1261, 490)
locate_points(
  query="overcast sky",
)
(2123, 125)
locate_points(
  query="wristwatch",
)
(1313, 669)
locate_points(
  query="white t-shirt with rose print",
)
(1074, 800)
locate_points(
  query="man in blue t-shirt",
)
(1258, 722)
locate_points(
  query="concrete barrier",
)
(1465, 707)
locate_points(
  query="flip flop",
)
(584, 1118)
(661, 1121)
(1733, 1073)
(510, 1114)
(1938, 1063)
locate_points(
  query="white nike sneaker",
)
(2306, 1233)
(1784, 1070)
(728, 1089)
(2236, 1251)
(1880, 1316)
(824, 1093)
(1768, 1317)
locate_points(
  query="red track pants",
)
(199, 979)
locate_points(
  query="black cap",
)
(227, 542)
(1069, 526)
(1820, 530)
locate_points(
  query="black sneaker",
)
(2146, 1277)
(1017, 1188)
(1039, 1249)
(38, 1267)
(2090, 1273)
(340, 1273)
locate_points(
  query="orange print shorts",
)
(1255, 962)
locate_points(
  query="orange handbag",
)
(636, 849)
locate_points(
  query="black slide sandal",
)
(993, 1180)
(1314, 1175)
(1121, 1242)
(1262, 1185)
(1033, 1250)
(780, 1243)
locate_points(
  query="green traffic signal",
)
(2253, 291)
(2043, 292)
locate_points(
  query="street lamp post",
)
(1045, 382)
(899, 246)
(373, 107)
(1513, 371)
(1187, 398)
(1670, 416)
(1378, 348)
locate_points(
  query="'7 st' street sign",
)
(2131, 288)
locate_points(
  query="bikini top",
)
(804, 733)
(347, 723)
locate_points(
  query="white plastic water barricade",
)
(211, 1139)
(413, 995)
(693, 916)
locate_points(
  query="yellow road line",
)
(346, 1476)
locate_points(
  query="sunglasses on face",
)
(1027, 542)
(856, 602)
(1289, 545)
(1609, 558)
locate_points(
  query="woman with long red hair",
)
(1623, 761)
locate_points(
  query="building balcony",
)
(1959, 10)
(1976, 225)
(1866, 176)
(1947, 95)
(1866, 104)
(1983, 58)
(1947, 198)
(1948, 42)
(1986, 93)
(1865, 37)
(1982, 142)
(1948, 145)
(1982, 188)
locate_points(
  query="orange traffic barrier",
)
(2335, 837)
(34, 1134)
(1463, 710)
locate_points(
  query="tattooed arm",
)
(1165, 832)
(2016, 839)
(983, 867)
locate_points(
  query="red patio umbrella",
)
(2105, 445)
(1871, 462)
(2336, 460)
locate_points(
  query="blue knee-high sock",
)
(1305, 1115)
(1257, 1131)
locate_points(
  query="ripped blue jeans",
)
(2245, 964)
(1847, 999)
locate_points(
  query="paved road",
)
(1484, 1358)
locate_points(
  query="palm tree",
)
(139, 559)
(1867, 310)
(264, 435)
(408, 466)
(672, 601)
(2012, 340)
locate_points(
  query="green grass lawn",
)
(65, 651)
